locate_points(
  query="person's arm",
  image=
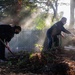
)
(9, 36)
(7, 45)
(66, 31)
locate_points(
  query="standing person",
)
(6, 34)
(54, 31)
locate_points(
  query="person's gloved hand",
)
(7, 47)
(62, 34)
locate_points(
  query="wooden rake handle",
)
(7, 48)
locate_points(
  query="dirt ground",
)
(60, 62)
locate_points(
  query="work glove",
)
(63, 35)
(7, 47)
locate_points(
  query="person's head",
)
(17, 29)
(63, 20)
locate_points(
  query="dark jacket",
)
(56, 29)
(6, 32)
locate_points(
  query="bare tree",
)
(54, 5)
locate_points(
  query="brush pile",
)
(43, 63)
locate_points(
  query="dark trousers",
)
(56, 41)
(49, 40)
(53, 41)
(2, 51)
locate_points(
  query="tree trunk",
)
(72, 7)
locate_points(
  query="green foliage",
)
(40, 47)
(40, 22)
(9, 63)
(11, 7)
